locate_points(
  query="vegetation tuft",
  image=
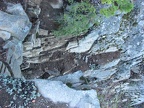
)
(76, 19)
(78, 16)
(114, 5)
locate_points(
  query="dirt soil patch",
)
(21, 97)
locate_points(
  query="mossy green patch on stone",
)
(113, 5)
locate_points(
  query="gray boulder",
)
(14, 56)
(5, 35)
(15, 21)
(60, 93)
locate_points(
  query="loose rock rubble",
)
(14, 27)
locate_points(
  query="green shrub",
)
(122, 5)
(76, 20)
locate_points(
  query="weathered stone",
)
(34, 2)
(69, 78)
(43, 32)
(85, 44)
(110, 64)
(5, 35)
(16, 9)
(100, 74)
(140, 19)
(112, 49)
(37, 43)
(136, 93)
(4, 69)
(72, 45)
(49, 15)
(108, 26)
(75, 98)
(49, 43)
(132, 88)
(75, 80)
(28, 46)
(134, 47)
(33, 32)
(114, 53)
(33, 53)
(14, 56)
(17, 22)
(33, 12)
(135, 69)
(56, 4)
(108, 43)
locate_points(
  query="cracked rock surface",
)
(101, 69)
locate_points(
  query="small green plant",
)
(114, 5)
(78, 16)
(76, 20)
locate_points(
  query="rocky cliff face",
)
(107, 61)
